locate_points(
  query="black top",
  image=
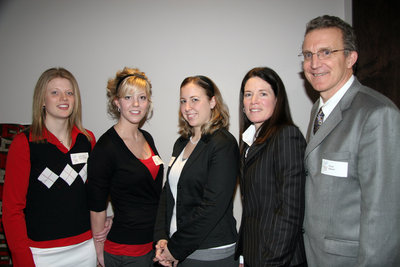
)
(114, 171)
(204, 196)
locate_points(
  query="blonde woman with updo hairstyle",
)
(45, 212)
(195, 224)
(126, 168)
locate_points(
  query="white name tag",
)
(157, 160)
(171, 161)
(78, 158)
(334, 168)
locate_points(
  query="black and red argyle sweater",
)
(56, 205)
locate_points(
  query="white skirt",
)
(79, 255)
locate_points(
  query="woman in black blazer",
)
(195, 224)
(272, 174)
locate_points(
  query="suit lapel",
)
(314, 111)
(252, 155)
(253, 152)
(201, 145)
(178, 148)
(195, 154)
(333, 120)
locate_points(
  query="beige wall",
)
(167, 39)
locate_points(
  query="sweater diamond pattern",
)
(68, 174)
(83, 173)
(47, 177)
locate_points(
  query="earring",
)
(244, 110)
(118, 110)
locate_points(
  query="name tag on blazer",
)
(171, 161)
(78, 158)
(334, 168)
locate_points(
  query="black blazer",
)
(272, 186)
(204, 196)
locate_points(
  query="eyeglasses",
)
(321, 54)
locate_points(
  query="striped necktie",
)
(318, 120)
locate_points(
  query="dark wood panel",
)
(377, 25)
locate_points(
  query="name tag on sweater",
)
(334, 168)
(79, 158)
(157, 160)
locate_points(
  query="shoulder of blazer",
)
(291, 130)
(367, 98)
(375, 98)
(219, 136)
(179, 145)
(284, 132)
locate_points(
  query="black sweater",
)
(114, 171)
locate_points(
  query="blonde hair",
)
(125, 81)
(38, 111)
(219, 114)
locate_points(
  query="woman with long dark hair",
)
(272, 174)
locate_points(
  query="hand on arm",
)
(98, 223)
(102, 235)
(100, 169)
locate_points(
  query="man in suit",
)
(352, 206)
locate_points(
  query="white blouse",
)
(173, 179)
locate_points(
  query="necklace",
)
(63, 141)
(193, 142)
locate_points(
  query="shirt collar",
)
(51, 138)
(329, 105)
(249, 135)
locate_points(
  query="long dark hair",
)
(281, 115)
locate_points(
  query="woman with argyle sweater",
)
(45, 213)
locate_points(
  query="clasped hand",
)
(163, 256)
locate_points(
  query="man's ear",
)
(351, 59)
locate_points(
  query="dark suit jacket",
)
(272, 185)
(204, 196)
